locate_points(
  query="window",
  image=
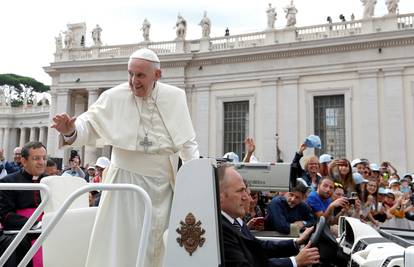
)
(329, 124)
(236, 126)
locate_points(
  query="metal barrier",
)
(143, 244)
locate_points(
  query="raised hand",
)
(64, 124)
(250, 145)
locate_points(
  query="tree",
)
(20, 88)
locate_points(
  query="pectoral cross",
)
(146, 143)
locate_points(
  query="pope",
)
(148, 125)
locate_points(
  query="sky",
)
(28, 28)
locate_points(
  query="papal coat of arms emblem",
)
(191, 234)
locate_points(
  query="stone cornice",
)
(301, 51)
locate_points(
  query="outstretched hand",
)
(64, 124)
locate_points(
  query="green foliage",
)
(17, 81)
(23, 87)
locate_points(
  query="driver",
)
(241, 248)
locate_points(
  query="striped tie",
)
(237, 225)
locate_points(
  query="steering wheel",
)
(316, 235)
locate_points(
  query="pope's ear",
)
(158, 74)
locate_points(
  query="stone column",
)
(22, 136)
(60, 104)
(42, 135)
(201, 117)
(265, 137)
(393, 138)
(6, 143)
(32, 135)
(1, 137)
(90, 151)
(288, 117)
(367, 143)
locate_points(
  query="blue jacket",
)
(280, 215)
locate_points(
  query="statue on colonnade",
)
(3, 99)
(369, 7)
(96, 35)
(146, 25)
(291, 12)
(68, 39)
(392, 6)
(271, 16)
(181, 27)
(59, 43)
(205, 24)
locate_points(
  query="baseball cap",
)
(374, 167)
(102, 162)
(358, 179)
(325, 158)
(231, 156)
(394, 181)
(355, 162)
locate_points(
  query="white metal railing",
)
(30, 222)
(143, 243)
(315, 32)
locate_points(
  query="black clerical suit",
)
(242, 249)
(13, 200)
(10, 202)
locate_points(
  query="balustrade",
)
(315, 32)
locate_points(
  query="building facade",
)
(351, 83)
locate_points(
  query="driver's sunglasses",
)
(338, 185)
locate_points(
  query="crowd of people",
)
(331, 187)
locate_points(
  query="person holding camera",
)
(322, 204)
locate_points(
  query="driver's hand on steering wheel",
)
(307, 256)
(304, 237)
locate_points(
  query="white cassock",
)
(121, 120)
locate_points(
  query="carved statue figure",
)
(369, 7)
(291, 12)
(271, 16)
(96, 35)
(392, 6)
(205, 24)
(68, 39)
(3, 100)
(59, 44)
(146, 25)
(181, 27)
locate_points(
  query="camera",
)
(351, 200)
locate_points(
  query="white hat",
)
(231, 156)
(102, 162)
(355, 162)
(374, 167)
(394, 181)
(146, 54)
(325, 158)
(358, 179)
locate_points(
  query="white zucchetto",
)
(146, 54)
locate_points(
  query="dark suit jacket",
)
(242, 249)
